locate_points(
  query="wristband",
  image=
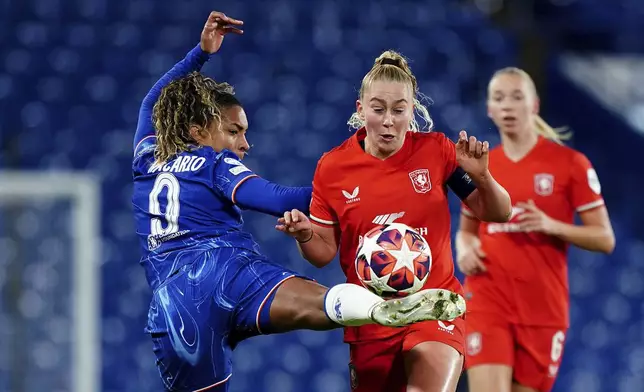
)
(303, 242)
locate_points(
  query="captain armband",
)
(461, 183)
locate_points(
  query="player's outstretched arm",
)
(212, 36)
(247, 190)
(260, 195)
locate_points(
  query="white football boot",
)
(429, 304)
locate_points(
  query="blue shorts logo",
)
(336, 309)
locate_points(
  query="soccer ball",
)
(393, 260)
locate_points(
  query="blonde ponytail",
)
(557, 135)
(391, 66)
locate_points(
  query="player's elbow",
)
(494, 215)
(319, 257)
(500, 216)
(501, 211)
(607, 244)
(321, 263)
(492, 206)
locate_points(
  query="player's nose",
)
(388, 120)
(244, 146)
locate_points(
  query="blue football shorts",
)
(203, 311)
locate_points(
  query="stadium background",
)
(73, 73)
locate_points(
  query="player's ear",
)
(535, 106)
(198, 134)
(360, 109)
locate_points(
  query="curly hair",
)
(194, 100)
(392, 66)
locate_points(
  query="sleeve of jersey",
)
(228, 174)
(585, 189)
(257, 194)
(457, 180)
(320, 211)
(194, 60)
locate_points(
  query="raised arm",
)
(490, 202)
(212, 36)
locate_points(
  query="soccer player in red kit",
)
(517, 278)
(388, 172)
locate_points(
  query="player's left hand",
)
(472, 155)
(296, 224)
(535, 220)
(216, 27)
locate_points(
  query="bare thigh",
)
(520, 388)
(490, 378)
(433, 367)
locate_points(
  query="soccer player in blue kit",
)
(211, 285)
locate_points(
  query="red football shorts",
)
(379, 366)
(534, 353)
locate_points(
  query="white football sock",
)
(350, 305)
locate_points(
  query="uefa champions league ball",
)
(393, 260)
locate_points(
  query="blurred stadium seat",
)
(72, 76)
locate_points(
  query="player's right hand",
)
(216, 27)
(470, 262)
(296, 224)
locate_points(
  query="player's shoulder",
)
(431, 144)
(563, 153)
(143, 157)
(333, 158)
(432, 138)
(223, 156)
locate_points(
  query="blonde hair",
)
(541, 127)
(393, 67)
(194, 100)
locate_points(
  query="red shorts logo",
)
(474, 343)
(420, 180)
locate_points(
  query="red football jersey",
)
(357, 191)
(527, 272)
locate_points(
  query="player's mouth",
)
(509, 120)
(387, 137)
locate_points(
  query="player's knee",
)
(299, 303)
(433, 366)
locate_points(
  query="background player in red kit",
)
(517, 278)
(382, 174)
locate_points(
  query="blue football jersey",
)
(186, 206)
